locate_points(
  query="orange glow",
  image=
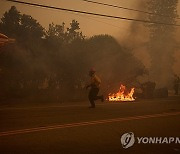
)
(122, 95)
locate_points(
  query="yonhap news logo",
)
(128, 140)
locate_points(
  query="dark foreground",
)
(73, 128)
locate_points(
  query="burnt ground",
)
(74, 128)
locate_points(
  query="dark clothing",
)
(93, 95)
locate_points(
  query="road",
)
(74, 128)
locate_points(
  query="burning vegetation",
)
(122, 95)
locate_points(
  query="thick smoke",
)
(159, 56)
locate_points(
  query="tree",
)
(55, 36)
(30, 28)
(25, 29)
(73, 33)
(10, 22)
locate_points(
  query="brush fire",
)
(122, 95)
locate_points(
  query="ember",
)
(122, 95)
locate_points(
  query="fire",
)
(122, 95)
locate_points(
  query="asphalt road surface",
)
(74, 128)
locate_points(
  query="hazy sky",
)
(90, 25)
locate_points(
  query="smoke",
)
(176, 56)
(160, 57)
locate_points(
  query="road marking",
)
(70, 125)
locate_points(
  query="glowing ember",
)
(122, 95)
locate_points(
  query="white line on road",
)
(70, 125)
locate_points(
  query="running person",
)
(95, 86)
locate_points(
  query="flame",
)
(122, 95)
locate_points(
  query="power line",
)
(101, 22)
(130, 9)
(91, 13)
(94, 19)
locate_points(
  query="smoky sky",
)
(90, 25)
(132, 34)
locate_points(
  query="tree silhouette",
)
(73, 33)
(10, 22)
